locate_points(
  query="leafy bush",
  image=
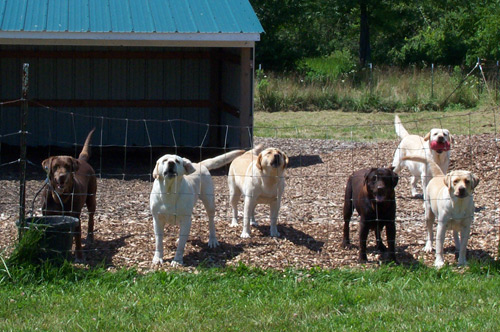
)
(327, 69)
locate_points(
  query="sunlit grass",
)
(372, 126)
(413, 298)
(382, 89)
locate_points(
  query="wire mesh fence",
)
(310, 219)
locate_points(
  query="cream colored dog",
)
(434, 146)
(259, 176)
(178, 184)
(449, 198)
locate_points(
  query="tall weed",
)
(379, 89)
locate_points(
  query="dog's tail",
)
(435, 169)
(258, 149)
(400, 130)
(85, 154)
(224, 159)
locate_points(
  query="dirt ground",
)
(310, 220)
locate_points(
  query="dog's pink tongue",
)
(440, 146)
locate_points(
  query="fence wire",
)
(310, 218)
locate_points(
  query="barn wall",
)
(116, 79)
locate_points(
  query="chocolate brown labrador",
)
(74, 181)
(371, 192)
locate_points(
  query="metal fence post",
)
(22, 147)
(496, 83)
(371, 78)
(432, 81)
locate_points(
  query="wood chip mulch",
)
(310, 220)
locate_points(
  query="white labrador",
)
(178, 184)
(449, 198)
(259, 176)
(434, 146)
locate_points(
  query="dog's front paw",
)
(157, 260)
(428, 247)
(234, 222)
(245, 235)
(346, 244)
(275, 233)
(439, 263)
(381, 247)
(79, 260)
(363, 258)
(90, 238)
(212, 243)
(462, 262)
(175, 263)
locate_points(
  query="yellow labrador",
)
(258, 175)
(178, 184)
(449, 198)
(434, 146)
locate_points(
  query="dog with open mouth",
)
(73, 183)
(177, 186)
(435, 146)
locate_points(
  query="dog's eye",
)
(177, 162)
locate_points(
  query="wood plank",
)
(17, 54)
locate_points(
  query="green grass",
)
(372, 126)
(382, 90)
(242, 299)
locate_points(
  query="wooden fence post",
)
(22, 147)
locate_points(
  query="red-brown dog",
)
(75, 182)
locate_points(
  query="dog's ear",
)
(447, 181)
(188, 166)
(427, 136)
(395, 178)
(47, 165)
(452, 139)
(367, 175)
(156, 173)
(285, 158)
(75, 165)
(475, 181)
(259, 162)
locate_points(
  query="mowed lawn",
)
(340, 125)
(388, 298)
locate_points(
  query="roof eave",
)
(129, 39)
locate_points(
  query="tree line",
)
(392, 32)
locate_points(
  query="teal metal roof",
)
(153, 17)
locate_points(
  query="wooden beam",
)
(220, 107)
(103, 54)
(215, 96)
(246, 81)
(121, 103)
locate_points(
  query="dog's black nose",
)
(462, 191)
(276, 160)
(441, 139)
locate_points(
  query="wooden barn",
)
(143, 72)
